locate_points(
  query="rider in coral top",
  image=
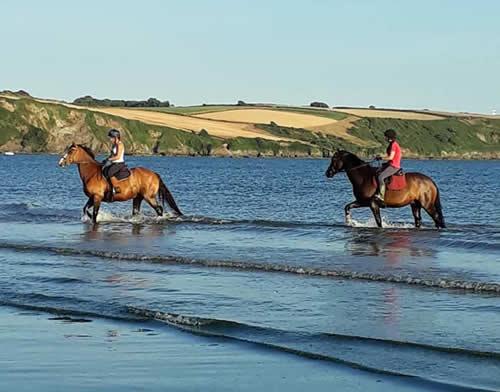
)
(392, 166)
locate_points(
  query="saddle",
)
(397, 181)
(118, 170)
(123, 173)
(114, 174)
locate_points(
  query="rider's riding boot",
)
(110, 192)
(380, 195)
(114, 188)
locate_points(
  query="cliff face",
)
(28, 125)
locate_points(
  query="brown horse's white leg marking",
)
(86, 207)
(154, 205)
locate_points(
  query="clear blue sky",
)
(418, 54)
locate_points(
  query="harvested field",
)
(265, 116)
(402, 115)
(188, 123)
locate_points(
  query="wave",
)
(33, 212)
(426, 364)
(218, 324)
(439, 283)
(56, 279)
(341, 348)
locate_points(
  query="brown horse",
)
(420, 191)
(142, 184)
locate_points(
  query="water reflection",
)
(391, 245)
(120, 232)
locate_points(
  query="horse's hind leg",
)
(136, 205)
(431, 210)
(154, 205)
(376, 212)
(416, 210)
(86, 207)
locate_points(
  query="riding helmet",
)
(114, 133)
(390, 133)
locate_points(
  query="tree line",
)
(149, 103)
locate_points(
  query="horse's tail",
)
(439, 209)
(165, 196)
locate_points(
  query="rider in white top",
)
(115, 161)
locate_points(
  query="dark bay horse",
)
(420, 191)
(143, 184)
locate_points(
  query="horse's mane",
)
(87, 150)
(356, 162)
(354, 159)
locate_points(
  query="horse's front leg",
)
(347, 210)
(90, 203)
(136, 205)
(376, 212)
(95, 212)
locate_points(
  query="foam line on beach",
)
(438, 283)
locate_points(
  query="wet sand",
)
(47, 352)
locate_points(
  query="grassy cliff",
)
(28, 125)
(449, 137)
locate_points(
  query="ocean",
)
(263, 256)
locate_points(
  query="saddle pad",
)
(123, 173)
(397, 182)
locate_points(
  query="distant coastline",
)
(34, 125)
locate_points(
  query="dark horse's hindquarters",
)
(420, 191)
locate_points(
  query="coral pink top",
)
(396, 161)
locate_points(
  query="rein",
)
(82, 163)
(357, 167)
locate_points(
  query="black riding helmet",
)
(114, 133)
(390, 133)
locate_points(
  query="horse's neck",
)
(359, 175)
(88, 170)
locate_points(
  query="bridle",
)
(65, 156)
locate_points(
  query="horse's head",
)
(337, 163)
(76, 153)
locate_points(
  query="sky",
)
(403, 54)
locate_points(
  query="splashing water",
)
(386, 224)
